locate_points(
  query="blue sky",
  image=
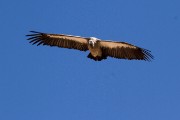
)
(46, 83)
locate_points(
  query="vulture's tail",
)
(98, 58)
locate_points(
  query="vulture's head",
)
(92, 41)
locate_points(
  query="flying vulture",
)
(99, 49)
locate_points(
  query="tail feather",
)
(98, 58)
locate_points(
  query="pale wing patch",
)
(68, 37)
(111, 44)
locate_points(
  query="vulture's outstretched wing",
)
(59, 40)
(124, 50)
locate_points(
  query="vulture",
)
(99, 49)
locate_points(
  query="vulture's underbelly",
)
(95, 51)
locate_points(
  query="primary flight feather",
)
(99, 49)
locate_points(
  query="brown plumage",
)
(99, 49)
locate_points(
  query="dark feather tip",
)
(35, 32)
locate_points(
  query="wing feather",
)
(124, 50)
(59, 40)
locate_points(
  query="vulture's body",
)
(99, 49)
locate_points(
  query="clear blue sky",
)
(49, 83)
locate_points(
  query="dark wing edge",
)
(59, 40)
(126, 51)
